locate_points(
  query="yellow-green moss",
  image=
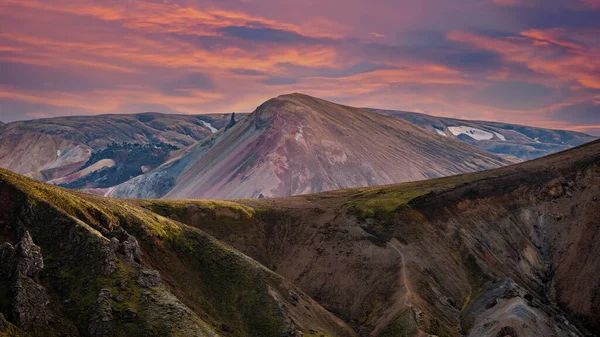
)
(12, 331)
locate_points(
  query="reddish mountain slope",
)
(296, 144)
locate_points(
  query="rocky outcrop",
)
(103, 324)
(20, 267)
(30, 257)
(149, 278)
(507, 309)
(232, 121)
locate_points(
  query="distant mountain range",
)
(53, 148)
(514, 141)
(290, 145)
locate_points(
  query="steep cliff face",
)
(78, 265)
(506, 252)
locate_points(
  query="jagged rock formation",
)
(232, 121)
(78, 265)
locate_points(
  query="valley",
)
(500, 251)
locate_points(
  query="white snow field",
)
(474, 133)
(212, 129)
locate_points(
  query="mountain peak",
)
(295, 144)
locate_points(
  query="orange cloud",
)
(533, 48)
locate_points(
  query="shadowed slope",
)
(79, 265)
(501, 252)
(51, 148)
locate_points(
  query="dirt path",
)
(404, 280)
(408, 296)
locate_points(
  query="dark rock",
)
(8, 260)
(451, 302)
(232, 121)
(19, 265)
(102, 325)
(110, 260)
(149, 278)
(294, 299)
(105, 295)
(129, 315)
(30, 256)
(119, 299)
(491, 304)
(130, 248)
(31, 304)
(507, 332)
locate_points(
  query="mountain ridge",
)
(516, 141)
(295, 144)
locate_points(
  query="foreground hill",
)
(53, 148)
(72, 264)
(506, 252)
(296, 144)
(510, 140)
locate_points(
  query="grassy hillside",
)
(112, 268)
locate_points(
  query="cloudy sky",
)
(533, 62)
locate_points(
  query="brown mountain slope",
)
(296, 144)
(72, 264)
(506, 252)
(51, 148)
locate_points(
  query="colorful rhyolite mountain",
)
(297, 144)
(505, 252)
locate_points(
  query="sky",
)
(534, 62)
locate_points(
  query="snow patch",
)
(299, 135)
(440, 132)
(501, 136)
(58, 153)
(209, 126)
(474, 133)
